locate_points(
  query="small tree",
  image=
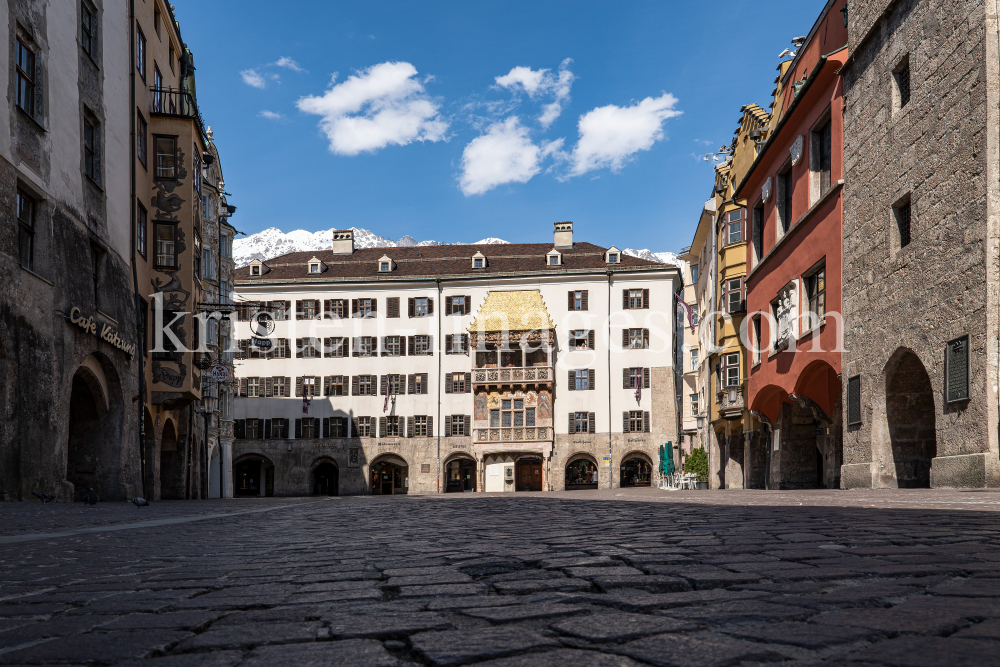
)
(697, 462)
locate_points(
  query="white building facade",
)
(516, 367)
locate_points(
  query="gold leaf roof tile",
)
(512, 311)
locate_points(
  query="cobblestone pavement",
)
(614, 578)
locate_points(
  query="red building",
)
(794, 191)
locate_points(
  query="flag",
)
(385, 406)
(687, 309)
(305, 405)
(638, 389)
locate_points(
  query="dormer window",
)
(385, 264)
(613, 255)
(554, 258)
(255, 270)
(316, 266)
(479, 261)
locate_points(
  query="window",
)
(901, 76)
(758, 231)
(395, 384)
(477, 263)
(694, 405)
(636, 339)
(694, 360)
(635, 377)
(141, 130)
(364, 307)
(456, 305)
(581, 379)
(309, 429)
(903, 222)
(314, 268)
(421, 426)
(334, 309)
(383, 266)
(734, 295)
(26, 229)
(206, 207)
(494, 419)
(281, 387)
(694, 317)
(196, 176)
(255, 270)
(420, 307)
(364, 346)
(166, 157)
(756, 339)
(580, 339)
(695, 268)
(279, 429)
(512, 412)
(338, 428)
(140, 52)
(456, 344)
(612, 258)
(455, 425)
(307, 309)
(157, 90)
(88, 36)
(635, 299)
(578, 300)
(393, 346)
(553, 260)
(171, 56)
(156, 20)
(335, 385)
(335, 347)
(364, 427)
(208, 264)
(392, 426)
(637, 421)
(310, 386)
(581, 422)
(421, 345)
(25, 78)
(730, 370)
(166, 257)
(456, 383)
(734, 227)
(90, 150)
(823, 139)
(95, 267)
(786, 190)
(366, 385)
(305, 348)
(816, 292)
(253, 429)
(418, 383)
(253, 387)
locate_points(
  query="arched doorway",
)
(171, 464)
(909, 407)
(581, 473)
(325, 478)
(636, 470)
(253, 475)
(528, 473)
(87, 410)
(389, 475)
(460, 475)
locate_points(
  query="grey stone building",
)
(920, 244)
(68, 366)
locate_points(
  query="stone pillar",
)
(545, 472)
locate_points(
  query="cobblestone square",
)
(614, 578)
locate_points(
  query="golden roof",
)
(512, 311)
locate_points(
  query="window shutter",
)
(411, 384)
(411, 345)
(410, 307)
(447, 383)
(288, 382)
(571, 424)
(326, 427)
(645, 378)
(392, 306)
(625, 422)
(571, 305)
(423, 388)
(626, 372)
(645, 339)
(430, 346)
(268, 387)
(381, 427)
(449, 344)
(591, 418)
(590, 339)
(447, 305)
(298, 429)
(625, 299)
(298, 348)
(430, 427)
(298, 386)
(447, 425)
(591, 382)
(383, 385)
(240, 429)
(243, 386)
(284, 429)
(468, 424)
(583, 300)
(645, 298)
(468, 304)
(624, 339)
(355, 385)
(374, 307)
(267, 429)
(430, 306)
(572, 380)
(354, 307)
(409, 427)
(326, 385)
(645, 422)
(298, 309)
(327, 309)
(468, 384)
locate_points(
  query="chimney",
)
(564, 235)
(343, 242)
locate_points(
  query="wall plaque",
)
(854, 400)
(425, 467)
(956, 370)
(354, 457)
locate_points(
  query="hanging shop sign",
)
(262, 324)
(220, 373)
(103, 331)
(262, 343)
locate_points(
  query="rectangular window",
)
(420, 424)
(635, 300)
(421, 345)
(309, 429)
(171, 56)
(902, 79)
(694, 274)
(694, 360)
(141, 130)
(253, 428)
(392, 426)
(366, 346)
(335, 347)
(635, 421)
(364, 427)
(166, 157)
(734, 227)
(282, 388)
(26, 229)
(758, 231)
(734, 295)
(581, 379)
(141, 222)
(366, 385)
(419, 383)
(336, 385)
(494, 419)
(854, 400)
(25, 78)
(581, 422)
(140, 52)
(157, 90)
(756, 338)
(787, 183)
(420, 307)
(334, 309)
(578, 300)
(816, 291)
(396, 384)
(694, 405)
(393, 346)
(310, 386)
(579, 339)
(457, 343)
(365, 308)
(457, 425)
(279, 429)
(638, 339)
(166, 257)
(458, 306)
(307, 309)
(306, 348)
(90, 135)
(338, 427)
(903, 223)
(824, 141)
(635, 378)
(253, 388)
(457, 381)
(731, 370)
(88, 35)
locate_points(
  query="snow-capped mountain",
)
(272, 242)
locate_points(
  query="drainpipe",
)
(610, 416)
(440, 424)
(135, 275)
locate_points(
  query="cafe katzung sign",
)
(103, 331)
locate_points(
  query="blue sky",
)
(429, 130)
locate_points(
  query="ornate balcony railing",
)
(516, 375)
(513, 434)
(173, 102)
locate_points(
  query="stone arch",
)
(818, 390)
(636, 469)
(910, 419)
(96, 417)
(253, 476)
(388, 474)
(324, 477)
(460, 473)
(582, 472)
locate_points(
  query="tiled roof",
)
(441, 261)
(513, 310)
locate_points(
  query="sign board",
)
(607, 460)
(220, 373)
(262, 324)
(956, 370)
(262, 343)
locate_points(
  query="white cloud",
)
(384, 104)
(271, 115)
(542, 82)
(505, 154)
(611, 134)
(288, 63)
(252, 77)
